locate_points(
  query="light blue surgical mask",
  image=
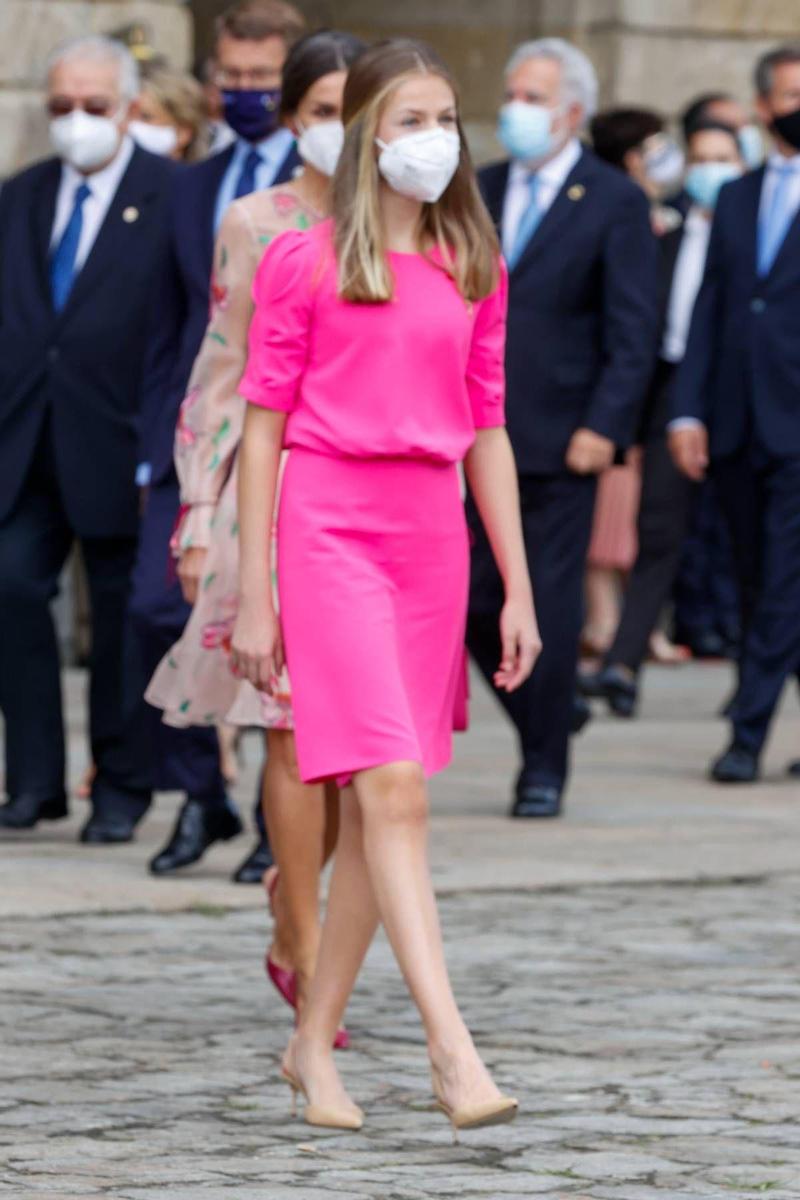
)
(751, 145)
(526, 130)
(704, 180)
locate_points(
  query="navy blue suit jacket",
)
(582, 316)
(84, 364)
(183, 303)
(741, 372)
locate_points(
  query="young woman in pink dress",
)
(194, 684)
(376, 357)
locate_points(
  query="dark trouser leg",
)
(183, 760)
(34, 543)
(124, 779)
(557, 519)
(763, 507)
(662, 519)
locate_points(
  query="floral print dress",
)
(194, 684)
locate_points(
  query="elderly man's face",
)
(92, 86)
(539, 81)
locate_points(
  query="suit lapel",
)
(127, 206)
(288, 167)
(565, 206)
(494, 182)
(749, 205)
(42, 216)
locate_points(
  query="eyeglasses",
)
(95, 106)
(258, 77)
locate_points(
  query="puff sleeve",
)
(279, 332)
(486, 380)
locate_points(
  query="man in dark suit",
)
(713, 157)
(82, 237)
(582, 321)
(253, 38)
(736, 404)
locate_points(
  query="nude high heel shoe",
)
(494, 1112)
(323, 1118)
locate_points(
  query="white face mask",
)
(320, 145)
(84, 141)
(420, 165)
(158, 139)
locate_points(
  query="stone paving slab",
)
(639, 808)
(651, 1032)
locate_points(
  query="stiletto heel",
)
(494, 1112)
(323, 1118)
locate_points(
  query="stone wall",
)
(29, 29)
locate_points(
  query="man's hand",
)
(589, 453)
(190, 571)
(689, 449)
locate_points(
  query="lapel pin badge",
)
(130, 214)
(576, 192)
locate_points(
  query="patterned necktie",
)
(247, 179)
(774, 225)
(528, 222)
(62, 262)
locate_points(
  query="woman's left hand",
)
(521, 644)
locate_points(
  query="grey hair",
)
(97, 48)
(579, 78)
(764, 74)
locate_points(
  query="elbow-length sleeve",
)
(486, 377)
(211, 415)
(279, 332)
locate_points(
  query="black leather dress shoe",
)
(24, 812)
(793, 769)
(198, 826)
(535, 799)
(581, 714)
(736, 765)
(107, 830)
(257, 862)
(613, 685)
(705, 644)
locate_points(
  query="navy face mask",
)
(253, 114)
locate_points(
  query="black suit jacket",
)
(740, 375)
(183, 303)
(583, 314)
(656, 408)
(83, 365)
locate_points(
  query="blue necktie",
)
(247, 179)
(528, 222)
(62, 262)
(774, 225)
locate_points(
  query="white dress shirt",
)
(551, 177)
(272, 151)
(103, 186)
(686, 279)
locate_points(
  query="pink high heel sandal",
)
(285, 982)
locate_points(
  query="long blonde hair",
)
(458, 224)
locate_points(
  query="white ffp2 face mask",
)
(420, 165)
(158, 139)
(320, 145)
(83, 140)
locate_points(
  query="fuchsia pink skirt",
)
(373, 568)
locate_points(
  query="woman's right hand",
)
(256, 645)
(191, 565)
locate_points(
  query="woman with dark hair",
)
(376, 357)
(194, 684)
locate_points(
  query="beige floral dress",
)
(194, 684)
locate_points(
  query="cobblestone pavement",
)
(651, 1032)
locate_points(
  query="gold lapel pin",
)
(130, 214)
(576, 192)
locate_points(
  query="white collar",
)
(555, 170)
(777, 162)
(103, 183)
(696, 220)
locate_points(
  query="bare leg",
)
(296, 817)
(394, 814)
(350, 924)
